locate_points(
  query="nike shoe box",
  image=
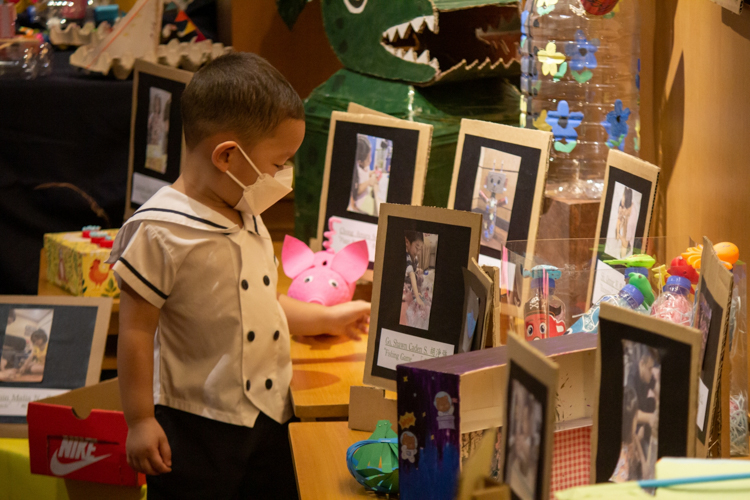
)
(80, 435)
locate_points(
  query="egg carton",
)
(75, 36)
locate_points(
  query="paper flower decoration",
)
(564, 123)
(544, 7)
(599, 7)
(727, 252)
(374, 462)
(541, 122)
(550, 58)
(616, 126)
(581, 53)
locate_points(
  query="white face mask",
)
(265, 191)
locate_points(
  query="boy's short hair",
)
(39, 335)
(363, 149)
(237, 92)
(413, 236)
(627, 197)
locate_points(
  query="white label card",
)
(507, 277)
(702, 403)
(347, 231)
(14, 401)
(144, 187)
(608, 281)
(397, 348)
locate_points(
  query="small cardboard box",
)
(77, 265)
(81, 435)
(444, 403)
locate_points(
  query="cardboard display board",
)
(529, 420)
(157, 144)
(500, 172)
(712, 298)
(648, 390)
(370, 160)
(494, 333)
(478, 299)
(624, 219)
(409, 325)
(49, 345)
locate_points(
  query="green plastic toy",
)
(642, 283)
(374, 462)
(394, 53)
(639, 260)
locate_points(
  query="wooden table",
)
(319, 452)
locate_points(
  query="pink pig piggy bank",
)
(325, 277)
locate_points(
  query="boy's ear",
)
(222, 153)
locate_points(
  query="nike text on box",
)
(81, 435)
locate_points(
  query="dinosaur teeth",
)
(389, 48)
(430, 22)
(410, 56)
(391, 33)
(434, 63)
(401, 28)
(424, 57)
(417, 23)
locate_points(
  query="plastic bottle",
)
(544, 313)
(629, 297)
(580, 80)
(673, 304)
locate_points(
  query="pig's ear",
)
(351, 262)
(295, 256)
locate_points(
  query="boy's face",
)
(38, 342)
(645, 367)
(414, 248)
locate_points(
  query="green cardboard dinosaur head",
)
(420, 41)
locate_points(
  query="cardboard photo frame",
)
(148, 170)
(348, 208)
(73, 350)
(528, 420)
(624, 174)
(678, 349)
(394, 338)
(713, 299)
(478, 307)
(512, 213)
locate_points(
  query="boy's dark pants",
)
(218, 461)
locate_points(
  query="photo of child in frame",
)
(524, 441)
(640, 413)
(158, 129)
(623, 220)
(419, 279)
(372, 170)
(24, 349)
(470, 322)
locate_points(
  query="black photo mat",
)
(539, 391)
(523, 198)
(67, 361)
(639, 184)
(674, 396)
(446, 316)
(471, 282)
(711, 353)
(140, 133)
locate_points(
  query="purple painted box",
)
(446, 404)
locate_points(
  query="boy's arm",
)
(305, 319)
(147, 447)
(415, 287)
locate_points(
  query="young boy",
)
(365, 182)
(203, 352)
(414, 244)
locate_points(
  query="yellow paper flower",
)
(550, 58)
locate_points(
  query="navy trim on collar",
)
(144, 280)
(255, 221)
(193, 217)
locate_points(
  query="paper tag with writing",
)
(349, 231)
(398, 348)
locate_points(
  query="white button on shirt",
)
(222, 344)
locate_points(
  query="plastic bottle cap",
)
(539, 282)
(680, 281)
(633, 292)
(639, 270)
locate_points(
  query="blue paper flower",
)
(616, 125)
(525, 22)
(564, 123)
(581, 52)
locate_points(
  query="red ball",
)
(599, 7)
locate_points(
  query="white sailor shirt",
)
(221, 349)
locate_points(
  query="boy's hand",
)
(420, 302)
(147, 448)
(349, 318)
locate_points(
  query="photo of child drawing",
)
(494, 193)
(24, 349)
(623, 219)
(372, 171)
(640, 413)
(524, 439)
(419, 279)
(470, 323)
(158, 129)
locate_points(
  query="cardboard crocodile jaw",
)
(459, 44)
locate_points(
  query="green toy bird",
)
(644, 286)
